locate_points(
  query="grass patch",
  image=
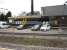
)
(34, 41)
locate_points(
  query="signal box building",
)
(57, 15)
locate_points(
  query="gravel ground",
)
(30, 31)
(10, 46)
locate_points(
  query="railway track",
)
(38, 34)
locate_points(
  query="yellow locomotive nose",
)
(24, 21)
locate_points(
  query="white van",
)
(45, 27)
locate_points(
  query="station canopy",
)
(21, 17)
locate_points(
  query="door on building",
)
(64, 22)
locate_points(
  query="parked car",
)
(35, 27)
(3, 24)
(19, 27)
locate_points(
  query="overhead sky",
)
(18, 6)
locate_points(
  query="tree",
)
(22, 14)
(9, 14)
(5, 17)
(2, 17)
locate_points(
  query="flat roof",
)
(58, 10)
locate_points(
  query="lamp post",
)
(1, 10)
(5, 10)
(32, 7)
